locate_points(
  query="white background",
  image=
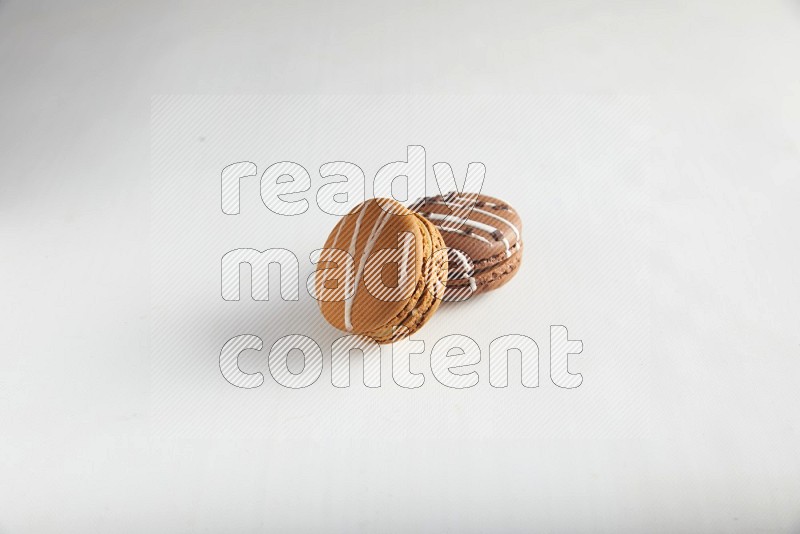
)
(578, 172)
(88, 441)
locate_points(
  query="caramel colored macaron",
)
(395, 281)
(484, 236)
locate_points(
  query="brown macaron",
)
(484, 237)
(395, 281)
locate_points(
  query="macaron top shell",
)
(487, 229)
(381, 293)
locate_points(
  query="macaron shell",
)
(371, 227)
(483, 227)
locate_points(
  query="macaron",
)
(484, 237)
(395, 280)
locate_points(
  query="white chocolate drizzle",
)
(474, 224)
(380, 222)
(492, 215)
(348, 303)
(468, 271)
